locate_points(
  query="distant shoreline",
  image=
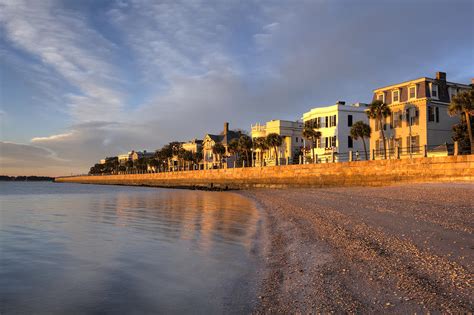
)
(6, 178)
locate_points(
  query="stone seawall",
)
(361, 173)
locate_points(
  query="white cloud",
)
(63, 41)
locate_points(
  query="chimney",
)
(441, 76)
(341, 103)
(226, 128)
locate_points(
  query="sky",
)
(81, 80)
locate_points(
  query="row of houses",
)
(419, 118)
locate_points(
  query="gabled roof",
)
(224, 139)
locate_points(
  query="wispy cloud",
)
(62, 40)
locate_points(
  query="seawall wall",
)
(360, 173)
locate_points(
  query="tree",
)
(188, 157)
(274, 140)
(141, 163)
(260, 143)
(361, 130)
(463, 104)
(111, 164)
(245, 146)
(129, 165)
(378, 111)
(312, 135)
(219, 150)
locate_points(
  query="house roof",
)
(225, 138)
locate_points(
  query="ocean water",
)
(76, 249)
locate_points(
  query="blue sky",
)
(81, 80)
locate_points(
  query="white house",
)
(335, 122)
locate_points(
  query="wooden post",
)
(373, 154)
(351, 158)
(397, 152)
(316, 159)
(333, 157)
(456, 148)
(425, 150)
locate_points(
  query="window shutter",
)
(437, 114)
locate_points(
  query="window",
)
(434, 91)
(452, 92)
(349, 142)
(326, 142)
(395, 96)
(317, 123)
(412, 92)
(326, 122)
(397, 119)
(332, 122)
(333, 141)
(349, 121)
(431, 114)
(381, 97)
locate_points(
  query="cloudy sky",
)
(81, 80)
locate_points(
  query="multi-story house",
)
(134, 155)
(211, 160)
(291, 131)
(419, 116)
(335, 122)
(193, 146)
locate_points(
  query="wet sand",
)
(399, 249)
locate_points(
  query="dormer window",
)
(395, 96)
(412, 92)
(452, 92)
(434, 91)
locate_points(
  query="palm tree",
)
(233, 148)
(463, 104)
(378, 111)
(361, 130)
(245, 146)
(312, 135)
(218, 149)
(274, 140)
(260, 143)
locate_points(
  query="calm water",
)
(68, 248)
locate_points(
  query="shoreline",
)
(360, 250)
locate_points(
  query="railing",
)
(444, 149)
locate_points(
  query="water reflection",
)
(122, 249)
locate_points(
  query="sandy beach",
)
(398, 249)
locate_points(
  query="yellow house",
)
(419, 118)
(291, 131)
